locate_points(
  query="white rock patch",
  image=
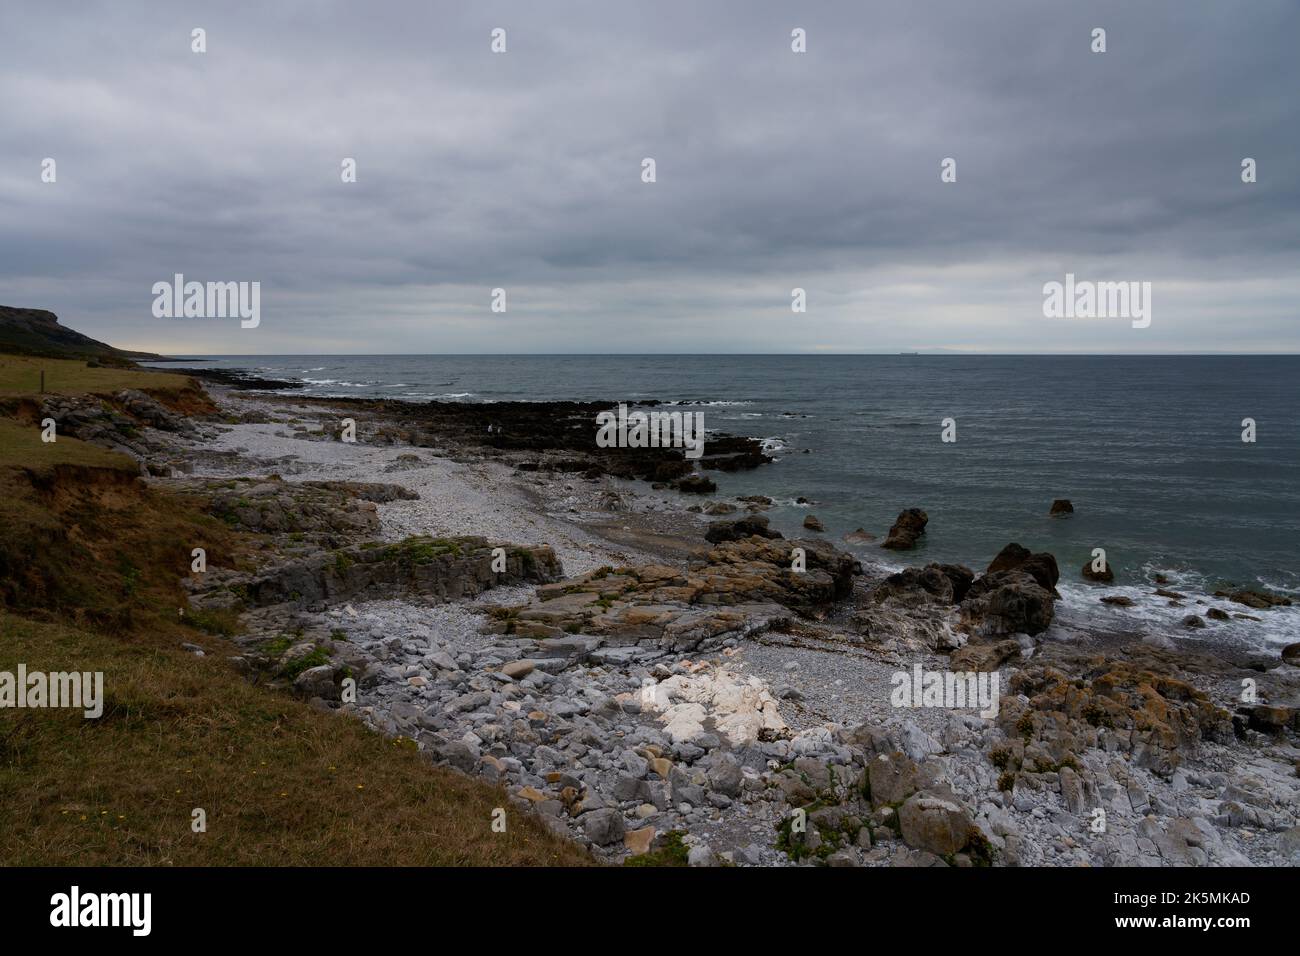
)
(740, 706)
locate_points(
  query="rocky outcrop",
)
(1260, 600)
(740, 528)
(1041, 565)
(933, 584)
(762, 566)
(1061, 507)
(905, 531)
(1101, 703)
(742, 587)
(695, 485)
(117, 423)
(1270, 718)
(984, 655)
(557, 435)
(1014, 596)
(434, 569)
(327, 511)
(1007, 602)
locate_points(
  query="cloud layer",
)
(775, 170)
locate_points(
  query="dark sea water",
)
(1148, 448)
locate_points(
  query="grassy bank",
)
(21, 447)
(21, 376)
(91, 560)
(280, 783)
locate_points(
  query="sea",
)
(1149, 450)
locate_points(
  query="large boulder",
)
(939, 824)
(892, 777)
(935, 583)
(1061, 507)
(959, 576)
(1007, 602)
(317, 682)
(905, 531)
(983, 655)
(725, 775)
(603, 827)
(1041, 565)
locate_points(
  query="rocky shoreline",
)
(649, 667)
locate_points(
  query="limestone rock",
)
(936, 824)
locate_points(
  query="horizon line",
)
(914, 353)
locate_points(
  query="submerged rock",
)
(696, 485)
(1104, 576)
(1260, 600)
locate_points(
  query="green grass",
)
(91, 565)
(315, 658)
(21, 375)
(281, 783)
(220, 621)
(422, 549)
(673, 852)
(21, 447)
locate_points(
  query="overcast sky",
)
(775, 170)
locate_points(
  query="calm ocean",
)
(1148, 448)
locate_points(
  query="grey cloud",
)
(775, 170)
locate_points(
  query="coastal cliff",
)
(37, 332)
